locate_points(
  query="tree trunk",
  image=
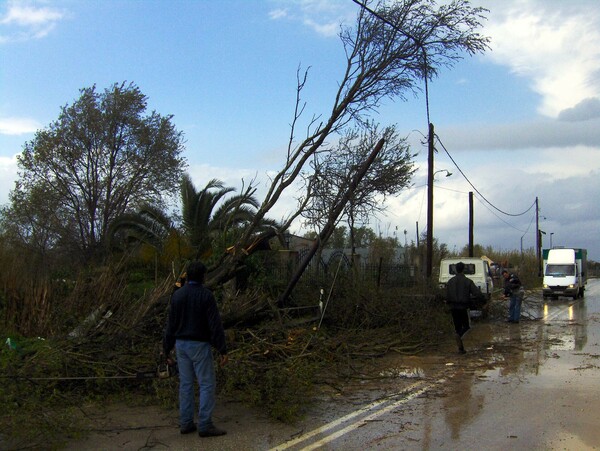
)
(330, 225)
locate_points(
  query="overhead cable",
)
(476, 190)
(501, 219)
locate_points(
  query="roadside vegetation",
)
(75, 359)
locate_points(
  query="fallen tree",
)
(385, 59)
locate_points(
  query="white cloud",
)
(565, 210)
(8, 176)
(553, 43)
(278, 13)
(17, 126)
(327, 29)
(323, 16)
(535, 134)
(561, 164)
(584, 110)
(23, 19)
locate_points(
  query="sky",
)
(518, 122)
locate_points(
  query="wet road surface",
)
(533, 385)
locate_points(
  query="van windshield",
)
(560, 270)
(469, 268)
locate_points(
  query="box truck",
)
(565, 272)
(476, 269)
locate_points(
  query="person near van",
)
(459, 292)
(513, 290)
(194, 327)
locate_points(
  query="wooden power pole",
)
(538, 246)
(470, 223)
(430, 204)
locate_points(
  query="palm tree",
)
(149, 226)
(204, 221)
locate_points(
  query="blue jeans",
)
(514, 308)
(195, 361)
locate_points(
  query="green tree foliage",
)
(364, 236)
(384, 249)
(102, 157)
(154, 235)
(332, 171)
(149, 225)
(339, 238)
(210, 217)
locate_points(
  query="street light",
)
(430, 179)
(448, 173)
(540, 235)
(551, 233)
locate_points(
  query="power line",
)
(438, 187)
(425, 76)
(501, 219)
(386, 21)
(475, 189)
(450, 189)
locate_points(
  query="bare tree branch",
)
(382, 61)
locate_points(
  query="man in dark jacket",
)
(459, 291)
(513, 290)
(194, 326)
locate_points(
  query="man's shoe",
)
(211, 431)
(188, 429)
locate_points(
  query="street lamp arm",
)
(448, 173)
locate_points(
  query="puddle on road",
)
(497, 352)
(403, 373)
(534, 382)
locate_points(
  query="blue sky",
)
(522, 120)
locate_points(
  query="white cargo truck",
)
(476, 269)
(565, 272)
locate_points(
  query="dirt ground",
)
(123, 427)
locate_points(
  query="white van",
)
(565, 272)
(476, 269)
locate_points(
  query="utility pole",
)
(470, 223)
(538, 247)
(418, 243)
(430, 204)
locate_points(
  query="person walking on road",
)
(194, 327)
(459, 292)
(513, 290)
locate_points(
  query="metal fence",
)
(381, 274)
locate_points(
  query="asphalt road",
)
(533, 385)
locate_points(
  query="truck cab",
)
(476, 269)
(564, 272)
